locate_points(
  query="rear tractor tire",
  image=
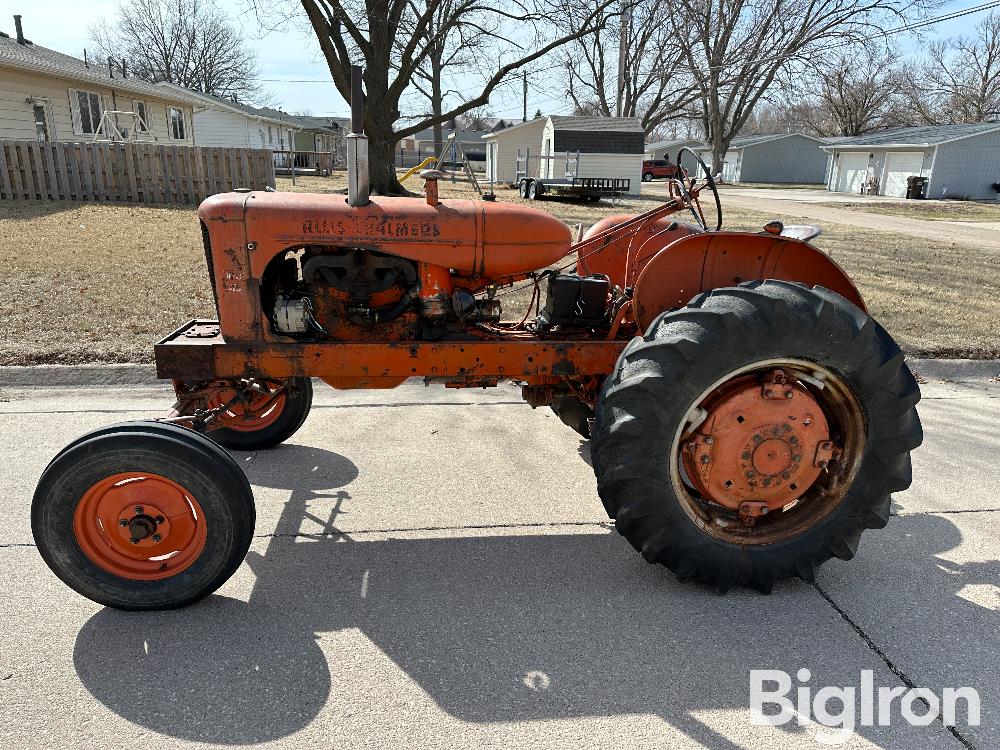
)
(755, 433)
(143, 516)
(275, 425)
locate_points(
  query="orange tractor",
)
(748, 419)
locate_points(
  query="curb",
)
(954, 369)
(75, 376)
(78, 376)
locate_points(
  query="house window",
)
(175, 119)
(41, 121)
(86, 111)
(270, 135)
(139, 107)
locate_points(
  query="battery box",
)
(573, 300)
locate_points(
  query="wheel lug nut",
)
(134, 540)
(123, 523)
(159, 519)
(138, 509)
(156, 537)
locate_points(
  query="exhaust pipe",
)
(357, 146)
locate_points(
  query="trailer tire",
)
(692, 353)
(295, 408)
(522, 188)
(185, 496)
(535, 190)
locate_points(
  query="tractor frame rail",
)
(197, 351)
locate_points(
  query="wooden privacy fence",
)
(146, 173)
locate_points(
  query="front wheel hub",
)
(763, 442)
(140, 526)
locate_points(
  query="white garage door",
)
(851, 172)
(730, 165)
(899, 166)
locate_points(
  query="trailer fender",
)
(701, 262)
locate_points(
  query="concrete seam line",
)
(469, 527)
(943, 512)
(887, 661)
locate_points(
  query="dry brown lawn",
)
(929, 210)
(100, 283)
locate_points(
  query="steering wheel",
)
(692, 202)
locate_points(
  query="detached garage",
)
(958, 161)
(778, 157)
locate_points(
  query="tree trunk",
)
(436, 105)
(382, 161)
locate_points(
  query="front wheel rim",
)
(251, 413)
(770, 477)
(140, 526)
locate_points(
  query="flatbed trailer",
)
(590, 188)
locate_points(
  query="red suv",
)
(659, 168)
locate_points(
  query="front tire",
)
(647, 176)
(143, 516)
(699, 377)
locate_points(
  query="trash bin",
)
(916, 187)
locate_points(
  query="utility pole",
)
(622, 49)
(524, 118)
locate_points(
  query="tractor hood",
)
(473, 238)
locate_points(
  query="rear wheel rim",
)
(807, 472)
(140, 526)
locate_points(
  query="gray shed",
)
(778, 157)
(959, 161)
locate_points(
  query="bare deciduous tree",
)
(850, 93)
(393, 39)
(457, 50)
(656, 88)
(960, 79)
(190, 43)
(735, 49)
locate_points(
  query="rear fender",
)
(611, 259)
(701, 262)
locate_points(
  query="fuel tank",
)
(473, 238)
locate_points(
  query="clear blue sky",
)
(291, 54)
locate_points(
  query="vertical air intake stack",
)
(357, 146)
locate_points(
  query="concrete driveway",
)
(433, 568)
(804, 204)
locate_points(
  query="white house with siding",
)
(611, 147)
(668, 149)
(958, 161)
(48, 96)
(222, 122)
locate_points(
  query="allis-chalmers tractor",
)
(748, 419)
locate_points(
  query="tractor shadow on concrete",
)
(495, 628)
